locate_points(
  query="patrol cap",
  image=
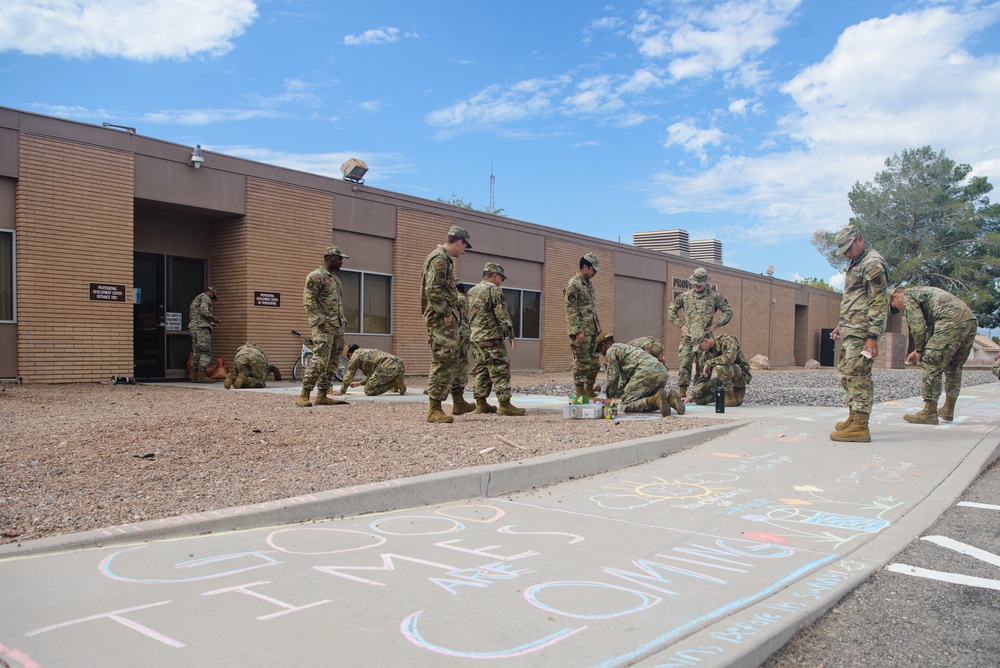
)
(698, 335)
(845, 238)
(592, 259)
(699, 277)
(461, 233)
(215, 293)
(335, 250)
(495, 268)
(602, 337)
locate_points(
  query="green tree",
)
(934, 224)
(817, 283)
(455, 200)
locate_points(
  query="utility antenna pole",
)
(492, 182)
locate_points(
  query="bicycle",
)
(305, 356)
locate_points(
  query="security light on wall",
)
(770, 270)
(196, 158)
(354, 170)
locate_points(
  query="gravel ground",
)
(85, 456)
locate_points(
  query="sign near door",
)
(270, 299)
(106, 292)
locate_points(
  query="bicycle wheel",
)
(298, 371)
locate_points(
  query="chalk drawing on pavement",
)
(638, 494)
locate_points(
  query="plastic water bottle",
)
(720, 397)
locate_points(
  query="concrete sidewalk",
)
(711, 556)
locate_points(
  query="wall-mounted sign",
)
(270, 299)
(107, 292)
(173, 322)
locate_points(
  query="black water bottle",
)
(720, 397)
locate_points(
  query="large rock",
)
(760, 362)
(813, 364)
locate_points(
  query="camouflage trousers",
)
(946, 353)
(327, 349)
(855, 373)
(645, 383)
(446, 359)
(685, 353)
(731, 375)
(492, 370)
(383, 376)
(462, 369)
(254, 370)
(586, 360)
(201, 347)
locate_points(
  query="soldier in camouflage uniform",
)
(724, 355)
(700, 304)
(864, 310)
(943, 329)
(583, 325)
(323, 300)
(383, 372)
(652, 346)
(491, 326)
(459, 405)
(439, 303)
(635, 379)
(200, 321)
(249, 368)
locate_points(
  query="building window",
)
(525, 308)
(8, 301)
(367, 302)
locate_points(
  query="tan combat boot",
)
(459, 406)
(399, 385)
(927, 415)
(435, 414)
(241, 380)
(731, 399)
(507, 408)
(202, 377)
(947, 410)
(662, 402)
(588, 389)
(230, 379)
(322, 399)
(483, 406)
(841, 426)
(682, 390)
(579, 390)
(741, 393)
(856, 432)
(303, 399)
(675, 402)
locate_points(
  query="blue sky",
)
(746, 121)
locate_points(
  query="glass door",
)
(149, 327)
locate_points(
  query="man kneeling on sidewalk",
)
(636, 378)
(383, 372)
(249, 369)
(724, 355)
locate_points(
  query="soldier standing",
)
(943, 329)
(200, 321)
(323, 299)
(459, 406)
(383, 372)
(439, 303)
(700, 305)
(724, 355)
(249, 368)
(636, 379)
(864, 310)
(491, 326)
(583, 325)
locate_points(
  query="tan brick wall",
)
(562, 260)
(280, 241)
(74, 226)
(417, 234)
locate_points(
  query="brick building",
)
(106, 236)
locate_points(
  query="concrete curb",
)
(429, 489)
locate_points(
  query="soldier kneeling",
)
(636, 378)
(249, 369)
(383, 372)
(724, 355)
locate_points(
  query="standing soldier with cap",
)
(700, 305)
(491, 325)
(583, 325)
(864, 310)
(323, 299)
(943, 329)
(439, 303)
(636, 379)
(200, 321)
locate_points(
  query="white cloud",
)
(148, 30)
(497, 104)
(837, 280)
(693, 139)
(383, 35)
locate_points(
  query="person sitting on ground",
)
(249, 369)
(723, 355)
(652, 346)
(636, 379)
(383, 371)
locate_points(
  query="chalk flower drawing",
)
(807, 488)
(764, 537)
(796, 502)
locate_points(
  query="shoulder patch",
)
(571, 297)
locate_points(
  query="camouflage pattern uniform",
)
(491, 328)
(633, 376)
(323, 299)
(943, 329)
(464, 342)
(864, 310)
(699, 310)
(200, 320)
(996, 369)
(651, 345)
(380, 368)
(581, 316)
(251, 363)
(439, 299)
(730, 365)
